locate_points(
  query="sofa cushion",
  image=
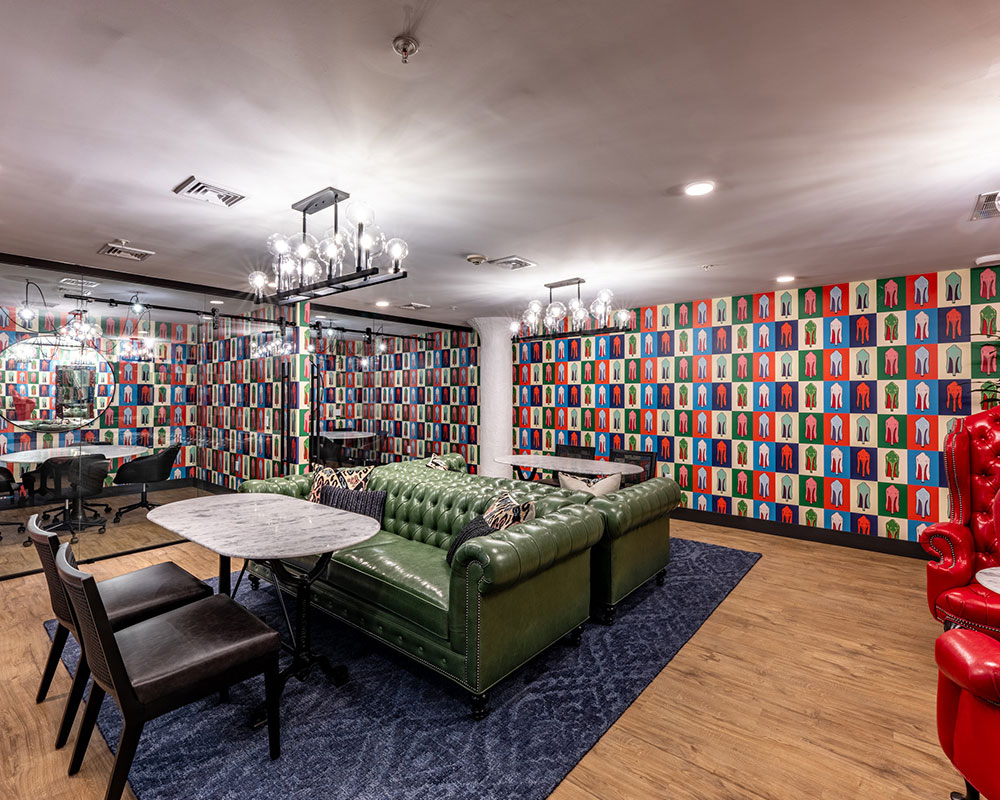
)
(504, 511)
(477, 526)
(592, 485)
(356, 478)
(357, 501)
(436, 462)
(408, 578)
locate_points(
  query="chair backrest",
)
(7, 482)
(47, 545)
(574, 451)
(643, 459)
(147, 469)
(89, 481)
(972, 465)
(93, 626)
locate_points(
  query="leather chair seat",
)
(178, 650)
(141, 594)
(408, 578)
(972, 606)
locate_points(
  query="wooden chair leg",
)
(86, 727)
(55, 653)
(272, 698)
(73, 702)
(127, 745)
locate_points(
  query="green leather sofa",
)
(635, 546)
(505, 598)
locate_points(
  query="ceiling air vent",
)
(197, 189)
(120, 249)
(414, 306)
(513, 263)
(986, 206)
(79, 283)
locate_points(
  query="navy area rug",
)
(398, 731)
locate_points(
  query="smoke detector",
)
(513, 263)
(119, 248)
(476, 258)
(986, 206)
(213, 193)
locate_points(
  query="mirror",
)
(53, 383)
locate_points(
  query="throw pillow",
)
(504, 511)
(437, 462)
(477, 526)
(595, 486)
(356, 478)
(357, 501)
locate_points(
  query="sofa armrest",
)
(955, 549)
(971, 660)
(523, 550)
(634, 506)
(293, 486)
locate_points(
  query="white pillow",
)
(596, 486)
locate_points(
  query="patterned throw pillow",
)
(344, 478)
(595, 486)
(437, 462)
(357, 501)
(504, 511)
(477, 526)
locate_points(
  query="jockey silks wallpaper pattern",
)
(821, 406)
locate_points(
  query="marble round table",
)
(268, 528)
(574, 466)
(41, 454)
(990, 578)
(339, 436)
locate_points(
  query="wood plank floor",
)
(814, 679)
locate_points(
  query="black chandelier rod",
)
(214, 313)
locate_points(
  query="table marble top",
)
(263, 526)
(45, 453)
(337, 435)
(575, 466)
(990, 578)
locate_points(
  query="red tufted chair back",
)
(972, 463)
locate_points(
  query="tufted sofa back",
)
(972, 463)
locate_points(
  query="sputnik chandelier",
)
(304, 267)
(558, 318)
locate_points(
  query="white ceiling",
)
(850, 139)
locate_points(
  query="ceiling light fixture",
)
(785, 278)
(382, 303)
(558, 319)
(217, 302)
(699, 188)
(137, 307)
(300, 259)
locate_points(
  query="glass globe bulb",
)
(575, 303)
(599, 309)
(515, 326)
(580, 315)
(397, 249)
(556, 310)
(277, 245)
(310, 267)
(330, 249)
(359, 212)
(302, 245)
(258, 280)
(623, 317)
(371, 241)
(26, 314)
(289, 264)
(605, 295)
(535, 306)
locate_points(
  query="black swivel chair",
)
(74, 479)
(639, 457)
(128, 599)
(165, 663)
(145, 470)
(9, 486)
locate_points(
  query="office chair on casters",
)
(145, 470)
(73, 480)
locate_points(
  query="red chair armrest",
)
(971, 660)
(955, 549)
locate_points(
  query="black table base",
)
(75, 519)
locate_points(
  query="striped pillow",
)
(504, 511)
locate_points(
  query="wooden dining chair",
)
(128, 599)
(165, 663)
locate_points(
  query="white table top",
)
(263, 526)
(45, 453)
(576, 466)
(339, 435)
(990, 578)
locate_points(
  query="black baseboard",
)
(877, 544)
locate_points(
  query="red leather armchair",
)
(968, 542)
(968, 709)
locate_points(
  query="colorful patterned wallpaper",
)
(822, 406)
(154, 403)
(423, 397)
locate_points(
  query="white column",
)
(495, 394)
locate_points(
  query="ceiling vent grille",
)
(120, 249)
(986, 206)
(79, 283)
(213, 193)
(414, 306)
(513, 263)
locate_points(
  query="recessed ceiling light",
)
(382, 303)
(216, 302)
(698, 188)
(785, 278)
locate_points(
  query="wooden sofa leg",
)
(576, 636)
(480, 705)
(971, 793)
(608, 614)
(661, 577)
